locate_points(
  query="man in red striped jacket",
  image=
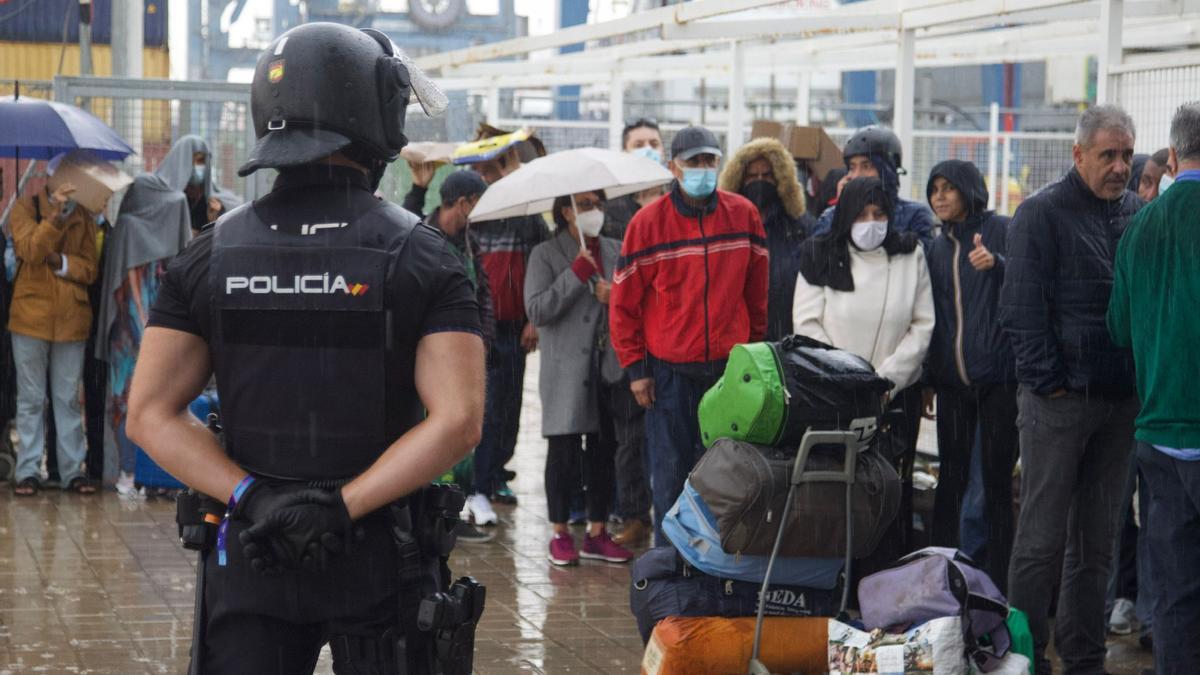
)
(691, 283)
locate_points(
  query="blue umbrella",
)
(33, 128)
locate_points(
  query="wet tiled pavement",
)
(101, 585)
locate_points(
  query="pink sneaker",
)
(562, 550)
(604, 548)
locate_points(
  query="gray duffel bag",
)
(745, 486)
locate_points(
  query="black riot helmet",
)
(876, 141)
(324, 87)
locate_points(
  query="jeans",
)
(972, 523)
(672, 437)
(1075, 460)
(65, 363)
(502, 407)
(1174, 538)
(1131, 577)
(989, 412)
(626, 431)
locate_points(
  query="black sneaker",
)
(469, 534)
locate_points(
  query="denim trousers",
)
(64, 360)
(672, 437)
(1174, 544)
(1075, 461)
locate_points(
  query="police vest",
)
(301, 342)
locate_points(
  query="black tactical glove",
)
(292, 526)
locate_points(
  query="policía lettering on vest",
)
(313, 284)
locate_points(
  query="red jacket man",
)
(691, 283)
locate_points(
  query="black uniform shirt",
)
(428, 286)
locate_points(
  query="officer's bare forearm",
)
(172, 369)
(450, 381)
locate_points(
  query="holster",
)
(437, 619)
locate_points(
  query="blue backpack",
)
(692, 528)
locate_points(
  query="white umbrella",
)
(534, 187)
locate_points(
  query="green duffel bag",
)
(772, 392)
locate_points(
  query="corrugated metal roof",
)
(42, 21)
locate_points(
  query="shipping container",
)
(45, 21)
(34, 65)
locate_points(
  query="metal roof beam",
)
(640, 21)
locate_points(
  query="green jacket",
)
(1155, 310)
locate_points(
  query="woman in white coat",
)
(864, 288)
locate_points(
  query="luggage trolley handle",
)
(850, 441)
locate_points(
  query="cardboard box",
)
(95, 180)
(808, 144)
(438, 153)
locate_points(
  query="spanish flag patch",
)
(275, 71)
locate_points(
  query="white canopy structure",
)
(732, 38)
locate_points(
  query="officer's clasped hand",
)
(292, 526)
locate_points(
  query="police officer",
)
(345, 342)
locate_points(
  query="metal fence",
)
(1021, 161)
(152, 114)
(1151, 88)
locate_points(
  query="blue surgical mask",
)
(197, 175)
(649, 152)
(100, 219)
(68, 207)
(699, 183)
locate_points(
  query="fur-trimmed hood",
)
(782, 164)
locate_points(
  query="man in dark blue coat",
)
(1076, 396)
(875, 152)
(970, 363)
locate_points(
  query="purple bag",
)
(937, 582)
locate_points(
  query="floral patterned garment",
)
(134, 298)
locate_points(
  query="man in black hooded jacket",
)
(970, 362)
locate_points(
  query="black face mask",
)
(764, 195)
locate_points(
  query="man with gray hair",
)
(1153, 310)
(1076, 397)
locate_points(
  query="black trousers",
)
(594, 456)
(624, 426)
(277, 624)
(989, 413)
(897, 442)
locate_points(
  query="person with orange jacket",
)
(54, 239)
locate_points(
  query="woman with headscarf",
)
(971, 363)
(763, 172)
(157, 219)
(864, 287)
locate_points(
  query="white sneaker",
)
(125, 486)
(1124, 617)
(481, 509)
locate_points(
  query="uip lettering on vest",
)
(314, 228)
(310, 284)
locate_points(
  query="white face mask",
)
(590, 222)
(868, 235)
(1165, 182)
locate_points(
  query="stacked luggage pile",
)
(791, 489)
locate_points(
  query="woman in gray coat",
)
(566, 297)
